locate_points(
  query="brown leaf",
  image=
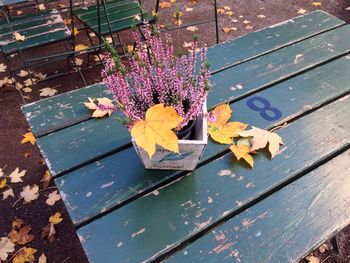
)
(17, 223)
(46, 179)
(21, 236)
(49, 232)
(25, 254)
(56, 218)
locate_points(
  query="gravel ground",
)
(66, 247)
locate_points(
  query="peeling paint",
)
(107, 184)
(142, 230)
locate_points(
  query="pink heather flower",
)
(154, 74)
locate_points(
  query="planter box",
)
(190, 151)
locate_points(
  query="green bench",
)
(295, 72)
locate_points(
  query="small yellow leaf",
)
(316, 3)
(41, 7)
(241, 151)
(25, 255)
(157, 129)
(80, 47)
(76, 31)
(229, 13)
(56, 218)
(3, 67)
(23, 73)
(28, 137)
(192, 28)
(189, 9)
(164, 4)
(3, 183)
(219, 129)
(229, 29)
(172, 1)
(301, 11)
(130, 48)
(178, 22)
(18, 36)
(221, 11)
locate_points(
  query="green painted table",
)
(296, 72)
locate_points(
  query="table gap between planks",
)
(296, 72)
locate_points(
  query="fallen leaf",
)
(316, 3)
(46, 179)
(130, 48)
(192, 28)
(9, 192)
(17, 223)
(30, 193)
(226, 8)
(28, 137)
(6, 247)
(27, 90)
(260, 138)
(29, 82)
(221, 11)
(75, 31)
(25, 254)
(157, 129)
(249, 27)
(3, 67)
(164, 4)
(80, 47)
(19, 12)
(301, 11)
(178, 22)
(312, 259)
(18, 36)
(219, 129)
(56, 218)
(189, 9)
(49, 232)
(109, 39)
(78, 61)
(40, 75)
(246, 22)
(229, 29)
(101, 106)
(177, 14)
(23, 73)
(53, 198)
(242, 151)
(172, 1)
(61, 5)
(41, 7)
(42, 258)
(21, 236)
(16, 175)
(3, 183)
(1, 172)
(19, 86)
(323, 248)
(261, 16)
(229, 13)
(47, 92)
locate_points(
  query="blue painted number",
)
(263, 106)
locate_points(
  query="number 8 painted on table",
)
(265, 109)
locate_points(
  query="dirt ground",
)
(248, 16)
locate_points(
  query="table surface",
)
(298, 71)
(11, 2)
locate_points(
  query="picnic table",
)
(294, 75)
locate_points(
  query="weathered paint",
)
(310, 140)
(130, 172)
(285, 226)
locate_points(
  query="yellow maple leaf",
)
(80, 47)
(3, 183)
(260, 138)
(56, 218)
(220, 130)
(18, 36)
(164, 4)
(242, 151)
(157, 129)
(28, 137)
(316, 3)
(301, 11)
(25, 254)
(76, 31)
(94, 104)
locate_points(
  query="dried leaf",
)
(229, 13)
(221, 11)
(323, 248)
(164, 4)
(189, 9)
(17, 223)
(53, 198)
(42, 258)
(3, 183)
(312, 259)
(187, 44)
(3, 67)
(56, 218)
(16, 175)
(229, 29)
(28, 137)
(19, 86)
(301, 11)
(316, 3)
(75, 31)
(40, 75)
(41, 7)
(18, 36)
(78, 61)
(27, 89)
(261, 16)
(21, 236)
(192, 28)
(6, 247)
(30, 193)
(29, 82)
(23, 73)
(46, 179)
(47, 92)
(9, 192)
(100, 106)
(1, 173)
(80, 47)
(242, 151)
(260, 139)
(219, 129)
(49, 232)
(157, 129)
(24, 255)
(19, 12)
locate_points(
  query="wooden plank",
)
(315, 51)
(302, 27)
(172, 214)
(271, 38)
(57, 112)
(285, 226)
(131, 179)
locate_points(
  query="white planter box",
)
(190, 151)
